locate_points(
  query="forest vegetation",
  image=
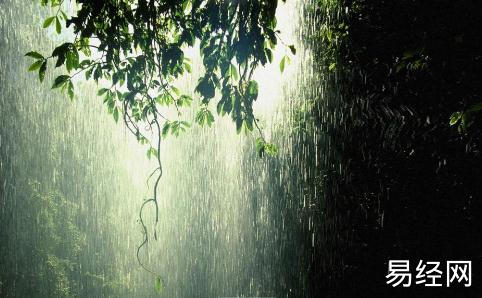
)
(387, 136)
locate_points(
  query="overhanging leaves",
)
(138, 50)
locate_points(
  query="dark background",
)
(411, 184)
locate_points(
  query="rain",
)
(231, 222)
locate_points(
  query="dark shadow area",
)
(411, 184)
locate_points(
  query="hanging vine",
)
(137, 48)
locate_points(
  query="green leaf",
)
(72, 59)
(186, 6)
(233, 73)
(206, 88)
(175, 128)
(34, 55)
(42, 70)
(252, 93)
(270, 149)
(200, 117)
(61, 53)
(329, 35)
(165, 99)
(60, 80)
(159, 285)
(249, 124)
(184, 100)
(61, 50)
(70, 91)
(210, 118)
(48, 21)
(282, 64)
(228, 104)
(293, 49)
(271, 38)
(151, 152)
(165, 129)
(102, 91)
(187, 66)
(465, 121)
(175, 90)
(98, 73)
(58, 27)
(259, 143)
(219, 107)
(204, 116)
(455, 118)
(116, 114)
(260, 146)
(88, 73)
(239, 124)
(63, 15)
(269, 54)
(265, 148)
(36, 65)
(332, 66)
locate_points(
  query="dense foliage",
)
(50, 244)
(57, 242)
(46, 245)
(391, 179)
(138, 48)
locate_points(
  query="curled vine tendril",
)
(154, 199)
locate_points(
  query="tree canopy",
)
(138, 47)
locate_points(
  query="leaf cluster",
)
(136, 50)
(138, 47)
